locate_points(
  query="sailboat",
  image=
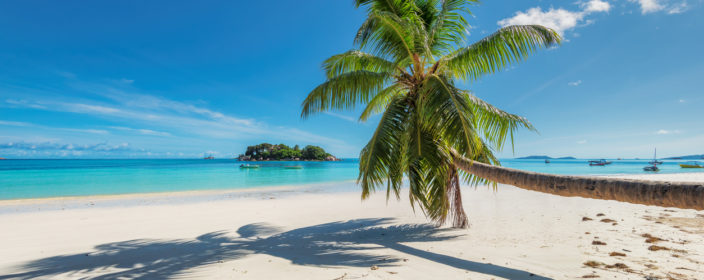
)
(654, 163)
(655, 160)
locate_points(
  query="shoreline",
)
(269, 188)
(669, 177)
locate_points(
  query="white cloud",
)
(339, 116)
(11, 123)
(80, 130)
(86, 108)
(92, 131)
(560, 20)
(596, 6)
(652, 6)
(575, 83)
(23, 103)
(649, 6)
(682, 101)
(582, 142)
(53, 146)
(665, 132)
(678, 9)
(142, 131)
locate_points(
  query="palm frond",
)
(380, 101)
(344, 91)
(356, 60)
(448, 27)
(397, 7)
(508, 45)
(443, 106)
(376, 158)
(387, 35)
(495, 124)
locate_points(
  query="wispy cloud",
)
(87, 108)
(52, 146)
(80, 130)
(678, 8)
(343, 117)
(575, 83)
(652, 6)
(142, 131)
(560, 20)
(53, 149)
(11, 123)
(23, 103)
(93, 131)
(665, 132)
(582, 142)
(164, 117)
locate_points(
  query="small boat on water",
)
(691, 164)
(547, 161)
(601, 162)
(249, 166)
(293, 167)
(652, 168)
(655, 160)
(209, 157)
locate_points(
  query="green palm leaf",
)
(356, 60)
(377, 156)
(506, 46)
(344, 91)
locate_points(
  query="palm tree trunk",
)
(666, 194)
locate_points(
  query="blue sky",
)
(137, 79)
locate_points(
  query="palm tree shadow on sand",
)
(332, 244)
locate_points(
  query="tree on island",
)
(266, 151)
(410, 53)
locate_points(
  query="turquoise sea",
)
(54, 178)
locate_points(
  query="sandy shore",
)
(514, 234)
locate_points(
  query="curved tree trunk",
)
(666, 194)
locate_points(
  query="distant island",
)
(266, 151)
(691, 157)
(544, 157)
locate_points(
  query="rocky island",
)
(266, 152)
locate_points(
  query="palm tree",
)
(410, 53)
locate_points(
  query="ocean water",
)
(55, 178)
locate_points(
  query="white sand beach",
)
(514, 234)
